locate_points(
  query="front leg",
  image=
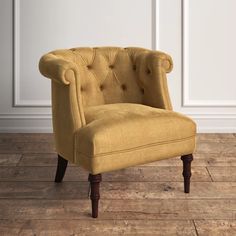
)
(94, 194)
(187, 159)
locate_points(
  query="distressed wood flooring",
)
(143, 200)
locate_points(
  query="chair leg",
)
(187, 159)
(94, 194)
(61, 169)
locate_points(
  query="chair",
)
(111, 110)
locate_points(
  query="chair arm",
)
(152, 75)
(161, 60)
(67, 107)
(56, 68)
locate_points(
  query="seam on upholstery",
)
(131, 58)
(115, 57)
(83, 59)
(78, 55)
(163, 90)
(90, 72)
(95, 76)
(113, 72)
(102, 81)
(77, 99)
(72, 110)
(93, 57)
(116, 78)
(110, 57)
(139, 147)
(105, 59)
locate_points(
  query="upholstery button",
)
(148, 71)
(123, 86)
(134, 67)
(89, 67)
(81, 89)
(142, 90)
(101, 87)
(111, 66)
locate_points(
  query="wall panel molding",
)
(17, 101)
(186, 100)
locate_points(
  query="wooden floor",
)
(144, 200)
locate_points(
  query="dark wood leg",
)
(187, 159)
(94, 194)
(61, 169)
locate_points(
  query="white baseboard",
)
(215, 124)
(25, 125)
(43, 124)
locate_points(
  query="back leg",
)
(61, 169)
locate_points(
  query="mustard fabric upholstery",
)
(111, 107)
(124, 134)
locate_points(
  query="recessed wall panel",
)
(41, 26)
(209, 52)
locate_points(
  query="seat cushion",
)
(124, 134)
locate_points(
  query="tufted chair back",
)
(109, 76)
(112, 74)
(106, 74)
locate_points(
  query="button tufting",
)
(123, 86)
(89, 67)
(81, 89)
(134, 67)
(111, 66)
(101, 87)
(148, 71)
(142, 90)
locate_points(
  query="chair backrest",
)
(106, 74)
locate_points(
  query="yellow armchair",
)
(111, 110)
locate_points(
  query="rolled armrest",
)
(153, 68)
(159, 59)
(57, 69)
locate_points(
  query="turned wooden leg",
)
(94, 194)
(61, 169)
(187, 159)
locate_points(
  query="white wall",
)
(200, 35)
(200, 40)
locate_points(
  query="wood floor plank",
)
(97, 227)
(146, 209)
(38, 159)
(223, 173)
(167, 173)
(216, 136)
(26, 147)
(216, 227)
(117, 190)
(202, 159)
(26, 137)
(9, 159)
(216, 147)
